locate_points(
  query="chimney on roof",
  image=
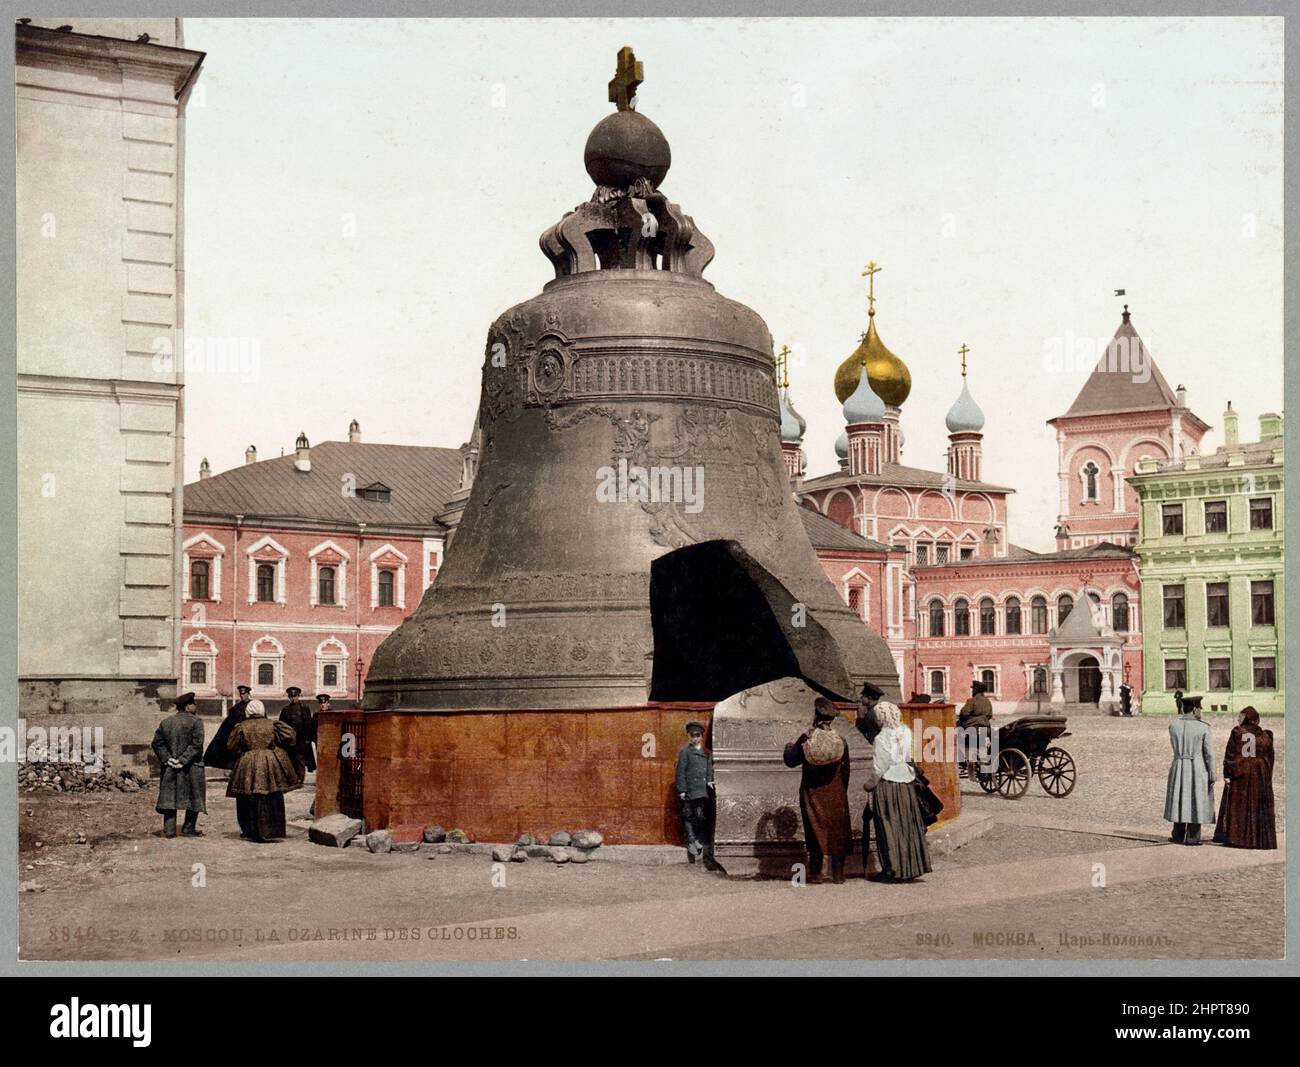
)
(1270, 425)
(1230, 427)
(1181, 394)
(205, 469)
(250, 454)
(354, 432)
(302, 461)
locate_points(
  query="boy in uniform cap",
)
(694, 779)
(297, 715)
(1189, 792)
(217, 755)
(178, 744)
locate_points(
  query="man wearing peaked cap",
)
(1189, 791)
(694, 781)
(299, 716)
(178, 744)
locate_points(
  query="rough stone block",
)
(334, 830)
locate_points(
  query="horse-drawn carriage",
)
(1025, 750)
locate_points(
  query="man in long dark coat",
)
(178, 744)
(298, 715)
(823, 791)
(217, 754)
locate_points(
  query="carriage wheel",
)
(1013, 773)
(1056, 772)
(987, 781)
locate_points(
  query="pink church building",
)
(1039, 629)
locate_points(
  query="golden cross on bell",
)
(783, 367)
(962, 352)
(627, 77)
(872, 269)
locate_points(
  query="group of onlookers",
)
(265, 759)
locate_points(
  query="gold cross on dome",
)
(627, 77)
(962, 352)
(872, 269)
(783, 367)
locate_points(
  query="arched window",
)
(330, 675)
(961, 618)
(385, 589)
(1038, 614)
(198, 673)
(325, 585)
(1090, 472)
(936, 683)
(1064, 605)
(1013, 615)
(1119, 612)
(988, 617)
(266, 674)
(199, 588)
(266, 582)
(936, 618)
(989, 678)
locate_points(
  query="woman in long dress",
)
(895, 808)
(1246, 815)
(264, 771)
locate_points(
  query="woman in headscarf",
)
(1246, 816)
(823, 791)
(264, 771)
(895, 809)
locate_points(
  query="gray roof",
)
(422, 480)
(827, 533)
(1253, 453)
(898, 474)
(1112, 385)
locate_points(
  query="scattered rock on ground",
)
(444, 850)
(334, 830)
(558, 855)
(518, 856)
(501, 854)
(435, 835)
(30, 887)
(578, 855)
(588, 839)
(525, 840)
(380, 841)
(459, 837)
(538, 852)
(562, 838)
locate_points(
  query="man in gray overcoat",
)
(1189, 795)
(178, 744)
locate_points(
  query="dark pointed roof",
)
(422, 480)
(825, 532)
(1112, 385)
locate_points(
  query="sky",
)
(364, 197)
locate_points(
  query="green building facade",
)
(1210, 546)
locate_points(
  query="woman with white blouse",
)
(895, 807)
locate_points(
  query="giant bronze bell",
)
(631, 534)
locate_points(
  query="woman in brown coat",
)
(264, 771)
(1246, 816)
(823, 791)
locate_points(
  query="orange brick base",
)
(496, 775)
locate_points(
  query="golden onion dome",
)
(888, 375)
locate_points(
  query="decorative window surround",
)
(205, 547)
(266, 649)
(199, 648)
(329, 554)
(267, 550)
(332, 651)
(386, 557)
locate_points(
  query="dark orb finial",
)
(626, 147)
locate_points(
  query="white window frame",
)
(399, 592)
(928, 672)
(214, 578)
(341, 581)
(979, 670)
(334, 651)
(191, 655)
(276, 659)
(281, 566)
